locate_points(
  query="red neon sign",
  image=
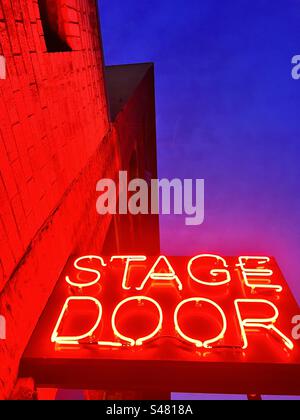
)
(201, 324)
(171, 304)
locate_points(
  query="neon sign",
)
(254, 323)
(197, 342)
(214, 272)
(133, 301)
(140, 340)
(260, 276)
(56, 338)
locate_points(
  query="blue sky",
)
(227, 111)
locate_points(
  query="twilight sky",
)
(227, 111)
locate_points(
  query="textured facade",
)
(58, 136)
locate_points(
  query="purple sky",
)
(227, 111)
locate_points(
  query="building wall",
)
(56, 141)
(136, 133)
(53, 115)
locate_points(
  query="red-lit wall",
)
(53, 115)
(55, 142)
(57, 139)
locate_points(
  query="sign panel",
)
(200, 324)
